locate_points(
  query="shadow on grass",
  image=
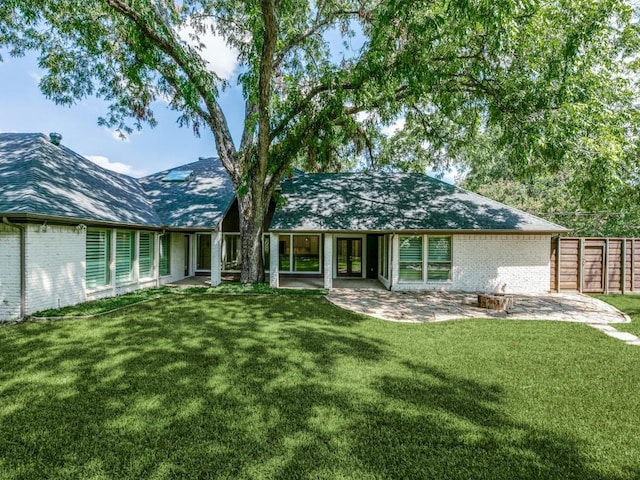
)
(258, 387)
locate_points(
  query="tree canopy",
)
(553, 81)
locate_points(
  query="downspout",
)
(23, 279)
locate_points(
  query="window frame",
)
(440, 262)
(291, 254)
(223, 253)
(106, 259)
(164, 255)
(149, 258)
(129, 278)
(421, 261)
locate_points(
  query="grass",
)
(286, 387)
(104, 305)
(630, 304)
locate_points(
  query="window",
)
(439, 264)
(203, 252)
(299, 253)
(124, 256)
(382, 256)
(97, 258)
(266, 254)
(284, 251)
(306, 253)
(411, 258)
(145, 254)
(177, 176)
(231, 253)
(165, 257)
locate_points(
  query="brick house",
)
(72, 231)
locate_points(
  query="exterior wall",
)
(55, 268)
(491, 263)
(9, 273)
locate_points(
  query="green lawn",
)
(287, 387)
(630, 304)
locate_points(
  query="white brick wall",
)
(487, 263)
(9, 273)
(520, 263)
(55, 269)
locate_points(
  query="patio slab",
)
(418, 307)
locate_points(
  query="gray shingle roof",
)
(199, 202)
(39, 178)
(392, 202)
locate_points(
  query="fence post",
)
(623, 266)
(606, 265)
(580, 263)
(558, 264)
(633, 264)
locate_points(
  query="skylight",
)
(177, 176)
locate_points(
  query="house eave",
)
(423, 231)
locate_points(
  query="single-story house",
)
(71, 231)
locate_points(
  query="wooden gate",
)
(595, 265)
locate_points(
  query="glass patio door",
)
(349, 257)
(203, 254)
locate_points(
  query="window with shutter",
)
(411, 258)
(97, 258)
(165, 254)
(145, 255)
(124, 256)
(439, 258)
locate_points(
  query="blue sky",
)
(23, 108)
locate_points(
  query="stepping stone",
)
(624, 336)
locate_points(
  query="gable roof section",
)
(40, 178)
(198, 202)
(393, 202)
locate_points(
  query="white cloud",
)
(104, 162)
(394, 128)
(221, 59)
(36, 77)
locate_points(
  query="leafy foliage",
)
(321, 81)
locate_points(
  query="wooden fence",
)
(595, 265)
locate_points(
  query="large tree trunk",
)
(252, 214)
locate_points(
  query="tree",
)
(451, 68)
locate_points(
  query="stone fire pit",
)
(495, 301)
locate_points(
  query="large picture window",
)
(299, 253)
(439, 258)
(145, 254)
(411, 258)
(97, 258)
(124, 257)
(231, 252)
(306, 253)
(284, 253)
(164, 265)
(266, 251)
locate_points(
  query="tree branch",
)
(270, 39)
(173, 48)
(312, 30)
